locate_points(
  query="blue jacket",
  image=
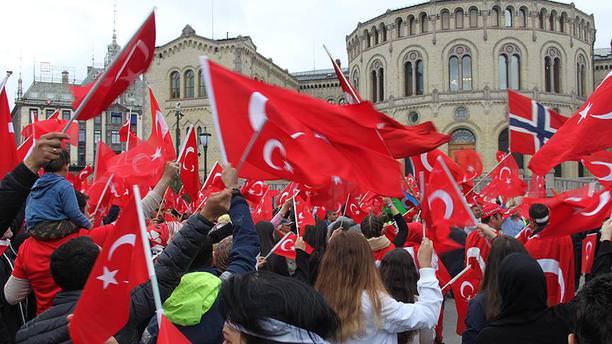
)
(53, 199)
(476, 318)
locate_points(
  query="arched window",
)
(399, 27)
(201, 85)
(377, 82)
(381, 84)
(580, 76)
(473, 17)
(459, 18)
(562, 22)
(368, 39)
(375, 34)
(495, 16)
(503, 144)
(461, 138)
(424, 25)
(508, 17)
(541, 19)
(383, 30)
(523, 17)
(445, 19)
(355, 79)
(189, 84)
(551, 20)
(175, 85)
(552, 70)
(557, 74)
(373, 87)
(460, 69)
(515, 72)
(413, 74)
(411, 25)
(575, 27)
(547, 74)
(509, 64)
(503, 71)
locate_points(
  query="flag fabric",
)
(142, 166)
(52, 125)
(303, 215)
(104, 306)
(537, 187)
(262, 211)
(531, 124)
(125, 130)
(213, 183)
(354, 210)
(104, 155)
(589, 244)
(169, 334)
(464, 289)
(587, 131)
(160, 129)
(99, 192)
(349, 92)
(24, 150)
(8, 149)
(298, 135)
(133, 60)
(600, 166)
(425, 162)
(190, 168)
(85, 173)
(289, 191)
(253, 190)
(505, 180)
(470, 161)
(286, 247)
(371, 202)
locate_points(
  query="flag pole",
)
(147, 252)
(295, 214)
(461, 196)
(206, 182)
(422, 187)
(488, 173)
(99, 79)
(341, 73)
(184, 143)
(277, 244)
(108, 182)
(249, 147)
(458, 276)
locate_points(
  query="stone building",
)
(175, 78)
(322, 84)
(602, 63)
(451, 62)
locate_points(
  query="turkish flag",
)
(436, 263)
(600, 166)
(104, 155)
(470, 161)
(556, 258)
(425, 162)
(213, 183)
(354, 210)
(119, 192)
(587, 131)
(190, 168)
(104, 306)
(142, 166)
(505, 180)
(286, 246)
(537, 187)
(288, 192)
(404, 140)
(85, 172)
(124, 130)
(303, 215)
(169, 334)
(99, 192)
(133, 60)
(24, 150)
(350, 93)
(160, 132)
(52, 125)
(371, 202)
(464, 289)
(253, 190)
(588, 253)
(298, 135)
(262, 211)
(7, 136)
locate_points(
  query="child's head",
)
(59, 165)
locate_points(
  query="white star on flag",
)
(157, 154)
(108, 277)
(585, 112)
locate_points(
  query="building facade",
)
(451, 62)
(602, 63)
(322, 84)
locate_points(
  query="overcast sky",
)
(69, 32)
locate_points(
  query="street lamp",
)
(204, 140)
(178, 115)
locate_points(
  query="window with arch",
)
(201, 85)
(377, 81)
(445, 16)
(375, 34)
(368, 39)
(509, 67)
(383, 31)
(552, 70)
(508, 17)
(551, 20)
(355, 79)
(562, 22)
(581, 76)
(411, 25)
(495, 16)
(399, 27)
(522, 17)
(175, 85)
(587, 32)
(459, 18)
(541, 19)
(461, 138)
(473, 17)
(461, 114)
(189, 83)
(503, 144)
(575, 27)
(413, 74)
(424, 25)
(460, 69)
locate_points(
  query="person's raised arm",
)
(402, 227)
(603, 259)
(276, 219)
(154, 198)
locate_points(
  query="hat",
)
(490, 209)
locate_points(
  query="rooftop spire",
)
(115, 22)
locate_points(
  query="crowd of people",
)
(220, 280)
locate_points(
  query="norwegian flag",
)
(531, 123)
(600, 166)
(588, 253)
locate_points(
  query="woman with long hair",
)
(485, 306)
(399, 276)
(307, 265)
(351, 285)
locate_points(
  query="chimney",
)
(65, 77)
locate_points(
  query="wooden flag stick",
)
(162, 204)
(280, 242)
(106, 186)
(458, 276)
(486, 175)
(249, 147)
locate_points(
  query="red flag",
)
(289, 191)
(7, 135)
(124, 130)
(104, 155)
(505, 180)
(24, 150)
(350, 93)
(253, 190)
(190, 168)
(263, 209)
(372, 202)
(133, 60)
(160, 129)
(354, 210)
(531, 124)
(303, 215)
(464, 289)
(99, 193)
(52, 125)
(169, 334)
(587, 131)
(104, 306)
(85, 172)
(213, 183)
(537, 187)
(142, 166)
(298, 135)
(286, 246)
(589, 243)
(470, 161)
(425, 162)
(600, 166)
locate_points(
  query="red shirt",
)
(379, 254)
(33, 258)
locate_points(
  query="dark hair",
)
(371, 226)
(501, 247)
(112, 215)
(205, 256)
(538, 211)
(265, 230)
(400, 276)
(316, 236)
(247, 299)
(593, 317)
(72, 262)
(57, 164)
(81, 200)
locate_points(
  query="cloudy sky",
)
(68, 33)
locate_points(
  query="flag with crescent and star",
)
(104, 306)
(160, 132)
(589, 245)
(7, 134)
(600, 166)
(505, 180)
(589, 130)
(190, 168)
(286, 246)
(464, 289)
(425, 163)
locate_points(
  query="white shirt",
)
(399, 317)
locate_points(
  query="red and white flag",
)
(7, 135)
(262, 211)
(190, 168)
(169, 334)
(589, 245)
(303, 215)
(143, 165)
(160, 129)
(537, 187)
(470, 161)
(288, 192)
(213, 183)
(104, 306)
(600, 166)
(133, 60)
(85, 172)
(104, 155)
(354, 210)
(425, 162)
(286, 246)
(24, 150)
(587, 131)
(464, 289)
(505, 179)
(254, 190)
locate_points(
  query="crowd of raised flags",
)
(337, 159)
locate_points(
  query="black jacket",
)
(14, 190)
(51, 326)
(603, 260)
(476, 318)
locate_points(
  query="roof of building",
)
(602, 53)
(49, 91)
(317, 74)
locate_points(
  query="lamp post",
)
(178, 115)
(204, 140)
